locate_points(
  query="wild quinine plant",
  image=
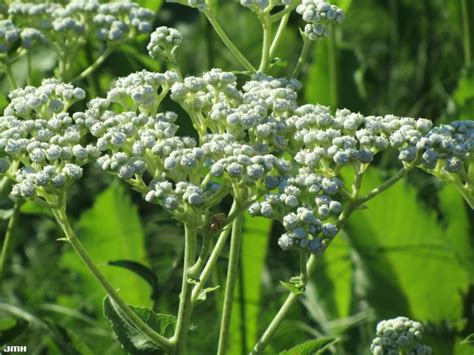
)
(255, 143)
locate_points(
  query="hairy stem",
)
(302, 58)
(11, 77)
(62, 220)
(7, 241)
(185, 304)
(230, 284)
(28, 68)
(390, 182)
(279, 34)
(229, 44)
(216, 252)
(267, 42)
(91, 68)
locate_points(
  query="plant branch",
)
(91, 68)
(279, 34)
(267, 42)
(230, 284)
(302, 58)
(61, 218)
(216, 252)
(229, 44)
(185, 304)
(7, 241)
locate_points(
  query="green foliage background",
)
(410, 253)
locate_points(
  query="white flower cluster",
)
(263, 4)
(142, 91)
(9, 35)
(163, 41)
(302, 202)
(317, 14)
(44, 140)
(258, 114)
(398, 334)
(78, 19)
(253, 137)
(119, 20)
(442, 150)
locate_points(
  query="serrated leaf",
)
(292, 287)
(131, 338)
(141, 270)
(310, 347)
(405, 253)
(10, 328)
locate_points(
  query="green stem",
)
(229, 44)
(62, 220)
(11, 77)
(371, 194)
(28, 68)
(230, 284)
(333, 67)
(286, 11)
(216, 252)
(281, 314)
(466, 192)
(267, 42)
(279, 34)
(302, 58)
(303, 270)
(91, 68)
(7, 241)
(310, 266)
(466, 33)
(185, 304)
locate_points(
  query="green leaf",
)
(110, 230)
(10, 328)
(316, 346)
(294, 286)
(469, 339)
(59, 335)
(6, 214)
(141, 270)
(31, 207)
(67, 342)
(405, 254)
(246, 310)
(333, 279)
(203, 294)
(131, 338)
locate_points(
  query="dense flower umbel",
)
(78, 19)
(398, 334)
(318, 14)
(43, 141)
(255, 137)
(163, 41)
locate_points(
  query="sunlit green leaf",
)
(316, 346)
